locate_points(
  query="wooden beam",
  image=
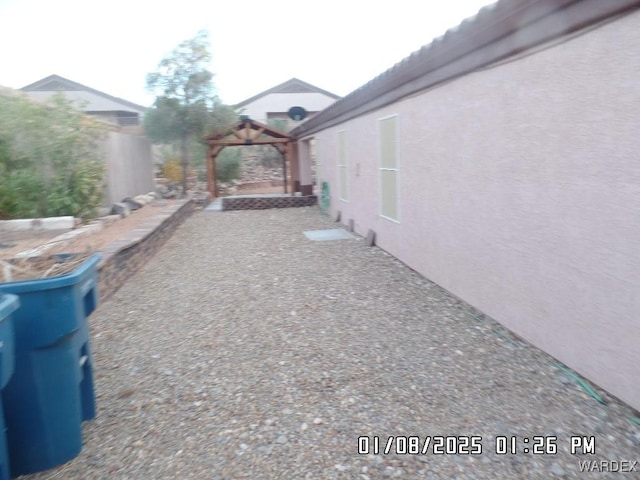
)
(259, 141)
(279, 147)
(257, 133)
(284, 170)
(210, 172)
(214, 189)
(293, 162)
(212, 153)
(237, 134)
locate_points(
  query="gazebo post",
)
(293, 168)
(210, 179)
(212, 153)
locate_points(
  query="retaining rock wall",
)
(124, 257)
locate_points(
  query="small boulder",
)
(132, 204)
(120, 208)
(102, 211)
(143, 199)
(140, 199)
(171, 194)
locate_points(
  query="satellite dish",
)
(297, 113)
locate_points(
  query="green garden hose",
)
(325, 198)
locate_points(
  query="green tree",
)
(279, 124)
(185, 99)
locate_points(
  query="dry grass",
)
(31, 268)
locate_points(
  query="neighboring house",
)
(501, 162)
(127, 152)
(276, 102)
(111, 109)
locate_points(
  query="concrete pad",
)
(331, 234)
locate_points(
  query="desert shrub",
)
(172, 168)
(76, 191)
(270, 157)
(21, 195)
(228, 165)
(50, 163)
(201, 174)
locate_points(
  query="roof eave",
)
(495, 33)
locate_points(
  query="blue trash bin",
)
(8, 305)
(51, 391)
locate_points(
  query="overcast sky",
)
(337, 45)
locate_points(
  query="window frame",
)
(395, 168)
(342, 157)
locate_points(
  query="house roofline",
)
(497, 32)
(279, 86)
(7, 91)
(34, 87)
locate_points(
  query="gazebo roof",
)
(248, 132)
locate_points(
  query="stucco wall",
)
(282, 102)
(129, 164)
(520, 193)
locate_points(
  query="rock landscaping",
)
(244, 350)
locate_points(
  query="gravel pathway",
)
(245, 351)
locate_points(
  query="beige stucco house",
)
(275, 102)
(501, 161)
(127, 152)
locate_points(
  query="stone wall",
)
(123, 258)
(261, 203)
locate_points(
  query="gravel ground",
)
(245, 351)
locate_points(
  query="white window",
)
(343, 168)
(388, 147)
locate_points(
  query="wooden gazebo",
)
(249, 132)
